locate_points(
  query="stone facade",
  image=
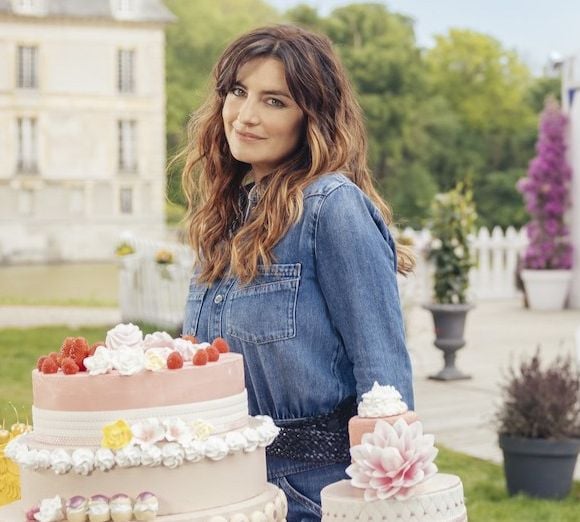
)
(82, 126)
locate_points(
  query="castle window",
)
(127, 145)
(27, 154)
(126, 70)
(27, 67)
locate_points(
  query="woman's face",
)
(263, 124)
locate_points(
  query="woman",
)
(297, 269)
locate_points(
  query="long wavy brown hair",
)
(334, 140)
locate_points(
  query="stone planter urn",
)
(449, 322)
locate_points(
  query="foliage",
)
(541, 403)
(164, 257)
(453, 219)
(546, 192)
(463, 110)
(124, 249)
(498, 201)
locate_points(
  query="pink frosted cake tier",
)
(357, 426)
(438, 499)
(84, 392)
(70, 410)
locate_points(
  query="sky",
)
(533, 28)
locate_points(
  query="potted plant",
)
(547, 261)
(539, 427)
(452, 221)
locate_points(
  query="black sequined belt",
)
(323, 438)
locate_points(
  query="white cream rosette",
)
(124, 335)
(128, 361)
(50, 510)
(381, 401)
(100, 362)
(104, 459)
(172, 455)
(83, 461)
(60, 461)
(216, 448)
(151, 456)
(158, 340)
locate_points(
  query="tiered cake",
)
(149, 428)
(393, 477)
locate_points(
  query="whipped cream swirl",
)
(124, 335)
(381, 401)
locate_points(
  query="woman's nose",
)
(248, 113)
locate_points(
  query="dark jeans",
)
(302, 483)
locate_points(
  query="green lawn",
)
(484, 484)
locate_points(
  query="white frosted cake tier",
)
(438, 499)
(84, 428)
(270, 505)
(202, 485)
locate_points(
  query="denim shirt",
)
(324, 321)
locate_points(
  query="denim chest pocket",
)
(193, 306)
(264, 310)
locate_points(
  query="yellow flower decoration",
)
(201, 429)
(116, 435)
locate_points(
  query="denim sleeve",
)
(356, 266)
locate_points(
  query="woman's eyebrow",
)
(273, 92)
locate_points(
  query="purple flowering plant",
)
(546, 190)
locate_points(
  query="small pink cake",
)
(380, 403)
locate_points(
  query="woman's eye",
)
(237, 91)
(274, 102)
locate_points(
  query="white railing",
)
(156, 293)
(152, 292)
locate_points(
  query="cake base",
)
(438, 499)
(270, 505)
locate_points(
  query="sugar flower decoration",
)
(147, 432)
(392, 460)
(201, 429)
(177, 430)
(156, 359)
(116, 435)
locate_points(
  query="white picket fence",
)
(151, 292)
(156, 293)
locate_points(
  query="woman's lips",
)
(247, 136)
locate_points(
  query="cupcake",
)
(99, 509)
(146, 506)
(77, 509)
(121, 508)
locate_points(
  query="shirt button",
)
(218, 299)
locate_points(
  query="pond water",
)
(90, 284)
